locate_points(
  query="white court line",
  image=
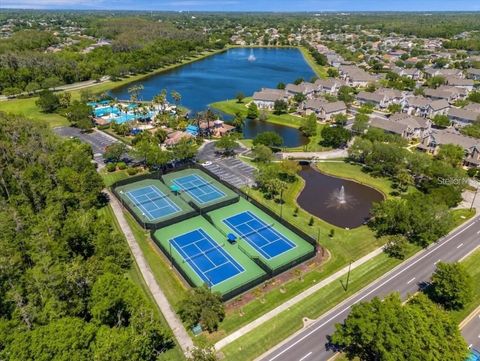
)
(410, 281)
(389, 279)
(304, 357)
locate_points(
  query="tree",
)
(238, 121)
(114, 152)
(176, 96)
(441, 121)
(280, 107)
(298, 98)
(346, 94)
(252, 112)
(32, 87)
(451, 286)
(340, 119)
(240, 96)
(298, 81)
(78, 112)
(185, 149)
(452, 154)
(262, 153)
(332, 72)
(309, 125)
(394, 108)
(201, 306)
(387, 330)
(134, 92)
(48, 102)
(269, 139)
(435, 81)
(227, 143)
(396, 246)
(281, 86)
(335, 137)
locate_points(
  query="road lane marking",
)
(304, 357)
(407, 267)
(478, 232)
(460, 245)
(411, 281)
(435, 263)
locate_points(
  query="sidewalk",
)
(336, 153)
(293, 301)
(175, 324)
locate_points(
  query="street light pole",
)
(474, 196)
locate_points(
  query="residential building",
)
(406, 126)
(329, 86)
(265, 98)
(355, 76)
(463, 83)
(473, 74)
(462, 117)
(323, 109)
(307, 89)
(381, 98)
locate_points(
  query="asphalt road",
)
(471, 332)
(310, 343)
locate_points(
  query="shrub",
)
(132, 171)
(121, 165)
(311, 221)
(111, 167)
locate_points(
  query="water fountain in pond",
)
(341, 196)
(251, 57)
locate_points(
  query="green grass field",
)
(320, 70)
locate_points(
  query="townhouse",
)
(381, 98)
(266, 97)
(323, 109)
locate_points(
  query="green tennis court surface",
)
(275, 244)
(205, 256)
(198, 187)
(152, 201)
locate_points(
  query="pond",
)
(341, 202)
(223, 75)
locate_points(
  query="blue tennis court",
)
(198, 188)
(153, 203)
(263, 237)
(206, 257)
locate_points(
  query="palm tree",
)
(134, 92)
(176, 97)
(161, 98)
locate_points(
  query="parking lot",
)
(231, 169)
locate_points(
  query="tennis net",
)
(256, 231)
(203, 253)
(149, 200)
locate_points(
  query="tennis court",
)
(262, 236)
(198, 188)
(203, 256)
(206, 257)
(153, 203)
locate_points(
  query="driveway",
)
(97, 139)
(230, 169)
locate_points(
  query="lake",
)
(341, 202)
(223, 75)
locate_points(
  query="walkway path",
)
(293, 301)
(336, 153)
(175, 324)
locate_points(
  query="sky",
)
(249, 5)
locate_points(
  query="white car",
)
(207, 163)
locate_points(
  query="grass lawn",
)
(320, 70)
(134, 275)
(111, 177)
(472, 265)
(28, 108)
(274, 331)
(355, 172)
